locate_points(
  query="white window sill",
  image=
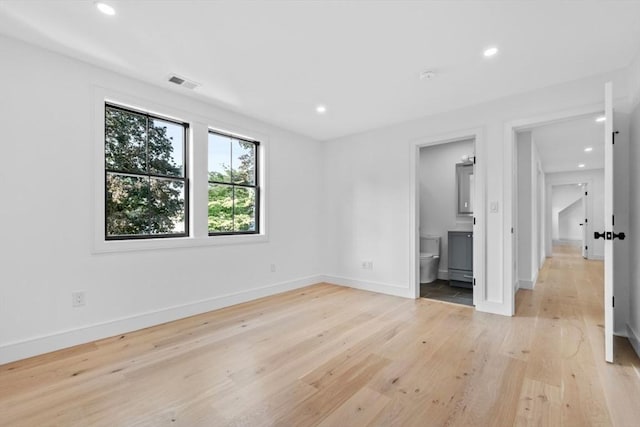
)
(108, 246)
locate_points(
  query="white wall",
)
(438, 194)
(47, 216)
(563, 196)
(524, 225)
(542, 188)
(528, 210)
(368, 182)
(569, 220)
(633, 324)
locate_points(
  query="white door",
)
(585, 228)
(608, 222)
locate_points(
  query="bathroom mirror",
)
(464, 184)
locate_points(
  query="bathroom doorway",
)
(446, 193)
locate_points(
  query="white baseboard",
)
(63, 339)
(634, 339)
(528, 284)
(525, 284)
(383, 288)
(596, 257)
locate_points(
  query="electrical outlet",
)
(78, 299)
(273, 268)
(366, 265)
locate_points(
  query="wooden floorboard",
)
(332, 356)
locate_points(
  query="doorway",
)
(448, 197)
(446, 190)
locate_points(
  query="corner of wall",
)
(634, 339)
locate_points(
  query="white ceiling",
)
(561, 145)
(276, 60)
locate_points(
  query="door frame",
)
(479, 240)
(509, 195)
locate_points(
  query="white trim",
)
(197, 151)
(379, 287)
(507, 211)
(479, 241)
(525, 284)
(634, 339)
(67, 338)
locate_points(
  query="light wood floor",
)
(333, 356)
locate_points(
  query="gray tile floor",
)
(441, 291)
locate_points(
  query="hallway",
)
(566, 363)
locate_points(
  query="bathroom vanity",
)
(461, 258)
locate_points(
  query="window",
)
(233, 185)
(146, 187)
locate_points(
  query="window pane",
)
(166, 148)
(220, 208)
(219, 158)
(125, 141)
(127, 210)
(245, 209)
(167, 207)
(243, 162)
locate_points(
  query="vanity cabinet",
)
(461, 258)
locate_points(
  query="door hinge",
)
(613, 301)
(511, 230)
(613, 136)
(474, 220)
(613, 220)
(586, 248)
(586, 193)
(586, 220)
(474, 281)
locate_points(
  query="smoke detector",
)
(427, 75)
(182, 81)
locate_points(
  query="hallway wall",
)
(562, 196)
(569, 220)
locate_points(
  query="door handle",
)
(608, 235)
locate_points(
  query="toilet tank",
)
(430, 245)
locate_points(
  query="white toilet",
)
(429, 258)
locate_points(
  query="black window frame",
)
(256, 186)
(148, 175)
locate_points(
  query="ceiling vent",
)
(181, 81)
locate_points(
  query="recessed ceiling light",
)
(105, 8)
(581, 165)
(601, 119)
(321, 109)
(588, 149)
(490, 51)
